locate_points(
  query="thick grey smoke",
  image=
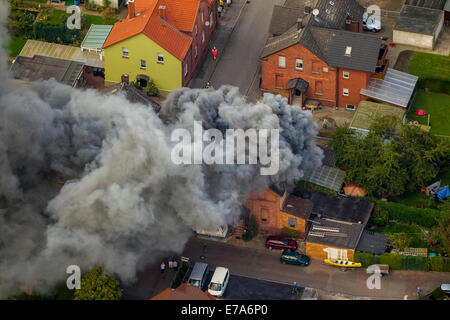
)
(124, 204)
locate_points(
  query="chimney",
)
(299, 23)
(131, 9)
(162, 12)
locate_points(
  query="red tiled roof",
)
(165, 33)
(184, 292)
(181, 14)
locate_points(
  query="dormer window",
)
(348, 51)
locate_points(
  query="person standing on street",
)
(294, 288)
(175, 265)
(170, 263)
(163, 267)
(219, 11)
(419, 292)
(214, 52)
(228, 3)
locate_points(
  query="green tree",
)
(252, 229)
(96, 285)
(151, 88)
(400, 241)
(391, 159)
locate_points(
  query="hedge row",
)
(434, 85)
(180, 275)
(291, 233)
(424, 217)
(401, 262)
(54, 32)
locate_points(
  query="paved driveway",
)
(245, 288)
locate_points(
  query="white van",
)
(219, 282)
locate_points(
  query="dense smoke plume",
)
(124, 203)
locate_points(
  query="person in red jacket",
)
(214, 52)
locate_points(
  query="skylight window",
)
(348, 51)
(328, 11)
(331, 3)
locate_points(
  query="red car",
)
(277, 242)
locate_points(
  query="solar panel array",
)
(328, 177)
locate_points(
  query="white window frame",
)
(125, 53)
(185, 69)
(195, 50)
(353, 109)
(196, 29)
(160, 55)
(325, 69)
(143, 66)
(348, 51)
(297, 61)
(344, 73)
(203, 36)
(281, 62)
(210, 19)
(203, 19)
(345, 92)
(295, 224)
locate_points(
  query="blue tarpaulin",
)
(443, 193)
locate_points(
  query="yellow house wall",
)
(167, 76)
(284, 223)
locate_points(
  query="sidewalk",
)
(224, 29)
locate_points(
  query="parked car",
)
(277, 242)
(370, 24)
(293, 257)
(219, 282)
(199, 275)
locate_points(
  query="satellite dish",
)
(315, 12)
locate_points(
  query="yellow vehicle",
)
(343, 263)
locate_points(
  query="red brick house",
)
(316, 50)
(276, 209)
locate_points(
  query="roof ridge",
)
(174, 29)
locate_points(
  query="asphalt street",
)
(263, 264)
(240, 58)
(245, 288)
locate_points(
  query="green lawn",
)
(416, 199)
(56, 16)
(15, 46)
(40, 1)
(435, 104)
(430, 66)
(413, 231)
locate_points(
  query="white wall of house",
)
(414, 39)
